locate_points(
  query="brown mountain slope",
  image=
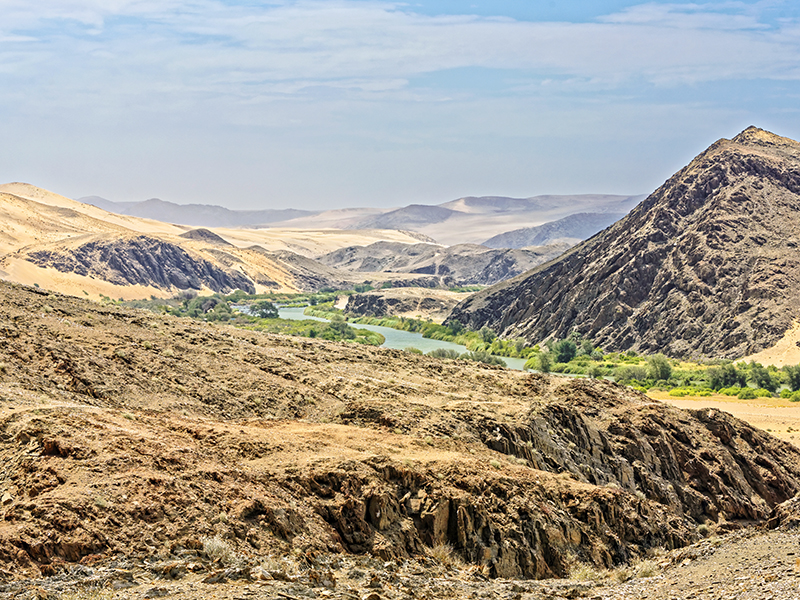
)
(708, 265)
(127, 435)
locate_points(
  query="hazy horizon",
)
(345, 103)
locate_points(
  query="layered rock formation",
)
(707, 265)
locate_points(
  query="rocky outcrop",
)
(434, 304)
(142, 260)
(705, 266)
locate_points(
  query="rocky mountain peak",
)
(705, 266)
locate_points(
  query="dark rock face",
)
(708, 265)
(464, 264)
(630, 474)
(204, 235)
(141, 260)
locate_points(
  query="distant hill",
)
(707, 265)
(462, 264)
(197, 215)
(571, 229)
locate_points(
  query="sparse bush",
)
(445, 555)
(412, 350)
(444, 353)
(703, 530)
(584, 572)
(218, 550)
(495, 463)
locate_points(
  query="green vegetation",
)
(260, 314)
(573, 355)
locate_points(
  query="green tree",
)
(487, 334)
(659, 368)
(264, 310)
(793, 377)
(564, 351)
(761, 377)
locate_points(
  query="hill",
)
(462, 264)
(146, 446)
(707, 265)
(571, 229)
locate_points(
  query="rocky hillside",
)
(463, 264)
(569, 230)
(707, 265)
(138, 260)
(131, 436)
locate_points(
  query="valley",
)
(165, 434)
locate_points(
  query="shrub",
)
(679, 392)
(484, 357)
(730, 391)
(747, 393)
(787, 393)
(444, 353)
(792, 377)
(487, 334)
(540, 362)
(795, 397)
(412, 350)
(762, 393)
(627, 373)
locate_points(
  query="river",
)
(400, 340)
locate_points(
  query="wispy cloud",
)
(376, 73)
(244, 45)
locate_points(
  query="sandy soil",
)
(778, 416)
(785, 352)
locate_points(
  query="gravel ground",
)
(745, 565)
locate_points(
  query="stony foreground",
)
(142, 452)
(743, 566)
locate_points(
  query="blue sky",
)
(317, 104)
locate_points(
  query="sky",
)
(341, 103)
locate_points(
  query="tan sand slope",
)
(785, 352)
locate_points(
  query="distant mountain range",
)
(470, 220)
(196, 215)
